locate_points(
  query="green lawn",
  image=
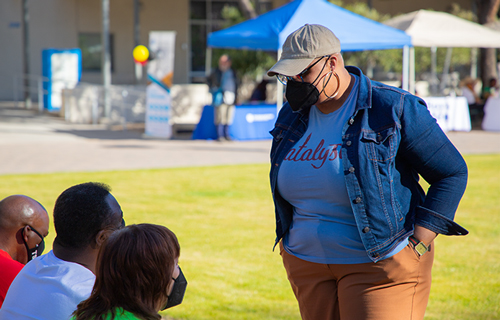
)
(224, 219)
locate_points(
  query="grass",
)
(224, 219)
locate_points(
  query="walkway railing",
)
(29, 87)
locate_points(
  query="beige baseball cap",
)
(303, 46)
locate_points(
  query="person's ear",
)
(332, 60)
(24, 233)
(102, 236)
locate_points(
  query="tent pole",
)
(434, 79)
(473, 63)
(208, 61)
(412, 71)
(279, 88)
(106, 59)
(406, 68)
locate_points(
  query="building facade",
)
(78, 24)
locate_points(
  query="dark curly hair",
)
(80, 213)
(134, 270)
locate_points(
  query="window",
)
(91, 46)
(205, 17)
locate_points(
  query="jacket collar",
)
(364, 100)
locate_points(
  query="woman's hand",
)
(424, 235)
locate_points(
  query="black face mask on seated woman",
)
(177, 295)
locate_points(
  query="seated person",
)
(137, 275)
(51, 286)
(24, 223)
(467, 86)
(260, 92)
(491, 90)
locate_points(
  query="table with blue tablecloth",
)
(250, 122)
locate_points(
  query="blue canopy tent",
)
(269, 31)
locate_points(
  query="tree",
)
(247, 9)
(487, 11)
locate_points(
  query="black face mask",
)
(177, 294)
(37, 250)
(301, 95)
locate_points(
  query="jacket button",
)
(348, 143)
(366, 229)
(351, 169)
(351, 121)
(357, 200)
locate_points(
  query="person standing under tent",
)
(223, 86)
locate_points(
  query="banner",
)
(160, 76)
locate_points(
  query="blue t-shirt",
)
(311, 178)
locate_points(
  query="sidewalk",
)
(33, 143)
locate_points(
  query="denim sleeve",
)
(429, 151)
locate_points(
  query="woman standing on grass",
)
(354, 226)
(137, 276)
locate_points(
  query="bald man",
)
(24, 223)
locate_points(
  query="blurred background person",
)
(137, 275)
(468, 88)
(259, 94)
(24, 223)
(490, 90)
(223, 86)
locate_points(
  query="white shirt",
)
(469, 95)
(47, 288)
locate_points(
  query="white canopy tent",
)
(440, 29)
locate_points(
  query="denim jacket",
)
(387, 143)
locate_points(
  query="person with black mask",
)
(51, 286)
(137, 275)
(354, 227)
(24, 223)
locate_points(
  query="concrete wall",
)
(51, 25)
(57, 23)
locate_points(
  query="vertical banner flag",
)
(160, 76)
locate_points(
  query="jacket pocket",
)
(380, 144)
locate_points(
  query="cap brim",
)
(289, 67)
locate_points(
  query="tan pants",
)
(396, 288)
(223, 114)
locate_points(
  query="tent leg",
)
(434, 81)
(208, 61)
(406, 68)
(446, 71)
(411, 81)
(279, 88)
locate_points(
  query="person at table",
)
(223, 86)
(355, 229)
(491, 90)
(24, 224)
(259, 94)
(137, 275)
(468, 88)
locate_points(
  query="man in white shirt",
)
(51, 286)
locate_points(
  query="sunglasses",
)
(284, 79)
